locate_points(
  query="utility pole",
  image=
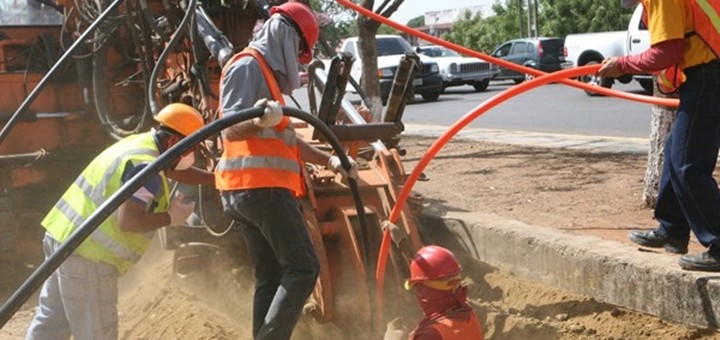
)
(520, 18)
(531, 34)
(535, 15)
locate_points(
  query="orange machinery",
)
(143, 57)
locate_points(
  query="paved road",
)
(553, 108)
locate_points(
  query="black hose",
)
(54, 260)
(43, 82)
(160, 65)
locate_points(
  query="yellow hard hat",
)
(182, 118)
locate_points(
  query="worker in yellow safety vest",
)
(435, 278)
(260, 174)
(685, 43)
(80, 298)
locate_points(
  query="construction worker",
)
(685, 44)
(260, 172)
(435, 278)
(80, 298)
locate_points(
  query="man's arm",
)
(658, 57)
(133, 217)
(311, 154)
(192, 175)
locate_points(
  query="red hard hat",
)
(433, 263)
(305, 21)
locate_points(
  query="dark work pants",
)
(689, 198)
(286, 266)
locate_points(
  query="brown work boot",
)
(652, 239)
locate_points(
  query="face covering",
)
(629, 3)
(185, 162)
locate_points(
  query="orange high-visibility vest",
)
(269, 159)
(706, 25)
(453, 328)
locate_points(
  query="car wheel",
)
(518, 81)
(529, 77)
(596, 81)
(647, 85)
(431, 96)
(481, 85)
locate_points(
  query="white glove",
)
(272, 116)
(335, 165)
(179, 211)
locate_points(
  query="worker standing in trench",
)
(80, 297)
(688, 197)
(260, 172)
(442, 295)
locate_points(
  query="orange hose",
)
(444, 139)
(504, 63)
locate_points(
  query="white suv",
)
(390, 48)
(457, 70)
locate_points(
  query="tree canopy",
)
(557, 18)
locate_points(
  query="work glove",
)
(272, 116)
(335, 165)
(179, 211)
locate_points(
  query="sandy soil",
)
(568, 190)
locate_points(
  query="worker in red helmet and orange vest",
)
(260, 174)
(80, 298)
(435, 278)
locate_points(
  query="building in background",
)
(439, 22)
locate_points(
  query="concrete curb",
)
(549, 140)
(608, 271)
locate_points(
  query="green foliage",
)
(563, 17)
(336, 21)
(416, 22)
(557, 18)
(483, 34)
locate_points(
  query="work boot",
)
(652, 239)
(707, 262)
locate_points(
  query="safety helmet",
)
(306, 23)
(181, 118)
(432, 263)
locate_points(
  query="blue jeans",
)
(79, 298)
(689, 198)
(286, 266)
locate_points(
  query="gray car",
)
(544, 54)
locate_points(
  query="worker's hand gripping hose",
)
(45, 269)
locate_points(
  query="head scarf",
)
(278, 42)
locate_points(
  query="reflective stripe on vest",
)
(100, 180)
(268, 159)
(707, 22)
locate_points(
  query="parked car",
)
(390, 48)
(544, 54)
(457, 70)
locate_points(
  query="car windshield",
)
(391, 46)
(439, 52)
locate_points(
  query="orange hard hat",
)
(181, 118)
(432, 263)
(305, 21)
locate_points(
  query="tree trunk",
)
(660, 124)
(370, 82)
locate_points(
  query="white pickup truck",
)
(591, 48)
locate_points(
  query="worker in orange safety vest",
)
(260, 174)
(435, 278)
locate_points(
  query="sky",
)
(414, 8)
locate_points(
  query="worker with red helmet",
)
(80, 298)
(435, 278)
(260, 174)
